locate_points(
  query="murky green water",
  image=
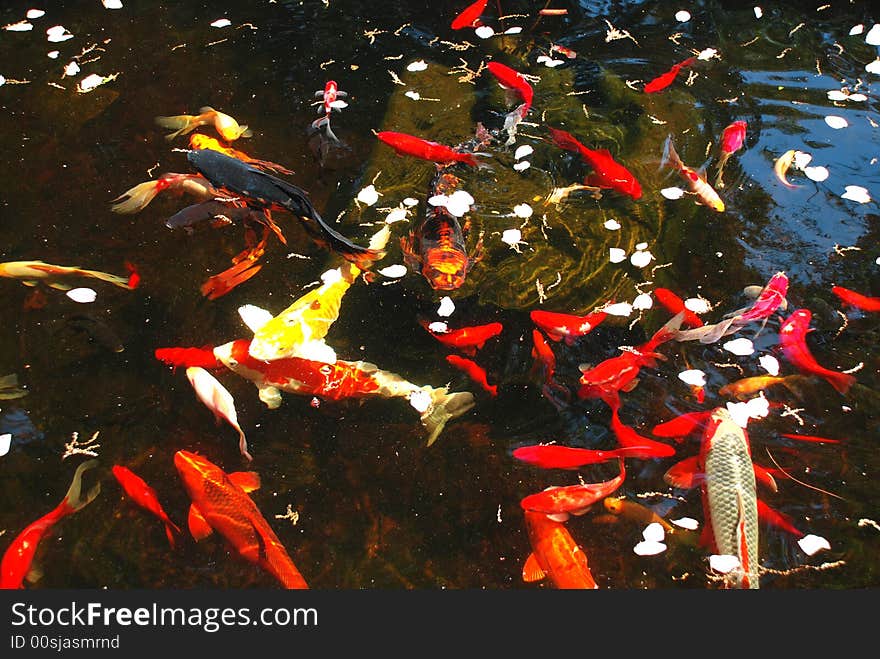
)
(377, 508)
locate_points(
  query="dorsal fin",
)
(246, 480)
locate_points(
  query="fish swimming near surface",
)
(410, 145)
(663, 81)
(607, 172)
(474, 371)
(674, 304)
(16, 564)
(144, 496)
(855, 299)
(544, 370)
(183, 124)
(220, 503)
(568, 327)
(781, 166)
(555, 456)
(31, 273)
(469, 16)
(792, 338)
(696, 180)
(331, 98)
(555, 555)
(746, 387)
(217, 399)
(511, 79)
(137, 198)
(732, 139)
(561, 501)
(466, 339)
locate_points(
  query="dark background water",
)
(377, 509)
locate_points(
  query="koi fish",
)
(219, 213)
(682, 425)
(562, 501)
(438, 247)
(732, 139)
(745, 387)
(857, 300)
(136, 199)
(643, 448)
(663, 81)
(31, 273)
(553, 456)
(544, 367)
(220, 503)
(636, 512)
(608, 173)
(336, 381)
(674, 304)
(555, 554)
(567, 327)
(228, 128)
(809, 438)
(466, 339)
(264, 191)
(726, 474)
(513, 80)
(16, 563)
(217, 399)
(330, 99)
(469, 16)
(696, 181)
(781, 166)
(474, 371)
(144, 496)
(410, 145)
(202, 141)
(792, 337)
(568, 52)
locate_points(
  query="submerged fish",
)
(696, 180)
(608, 173)
(555, 554)
(228, 128)
(31, 273)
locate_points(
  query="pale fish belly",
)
(730, 487)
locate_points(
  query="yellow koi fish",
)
(184, 124)
(31, 273)
(695, 180)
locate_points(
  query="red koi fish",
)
(513, 80)
(555, 554)
(643, 448)
(564, 500)
(467, 339)
(330, 99)
(857, 300)
(674, 304)
(144, 496)
(220, 503)
(696, 181)
(553, 456)
(409, 145)
(608, 173)
(136, 199)
(682, 425)
(792, 336)
(202, 141)
(474, 371)
(567, 327)
(663, 81)
(470, 16)
(732, 140)
(17, 559)
(544, 368)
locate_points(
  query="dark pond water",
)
(377, 508)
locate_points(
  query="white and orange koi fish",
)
(696, 180)
(217, 399)
(31, 273)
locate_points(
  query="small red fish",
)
(544, 368)
(409, 145)
(469, 16)
(512, 79)
(572, 499)
(792, 336)
(555, 554)
(144, 496)
(474, 371)
(857, 300)
(608, 173)
(674, 304)
(553, 456)
(467, 339)
(563, 326)
(19, 555)
(663, 81)
(682, 425)
(771, 298)
(732, 140)
(629, 438)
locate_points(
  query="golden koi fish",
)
(183, 124)
(30, 273)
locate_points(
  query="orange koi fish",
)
(608, 173)
(643, 448)
(466, 339)
(636, 512)
(144, 496)
(696, 181)
(220, 503)
(16, 562)
(553, 456)
(410, 145)
(745, 387)
(674, 304)
(732, 140)
(202, 141)
(217, 399)
(555, 554)
(562, 501)
(792, 337)
(781, 166)
(136, 199)
(31, 273)
(663, 81)
(682, 425)
(544, 367)
(568, 327)
(228, 128)
(474, 371)
(857, 300)
(511, 79)
(469, 16)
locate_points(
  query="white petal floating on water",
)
(643, 301)
(458, 205)
(672, 193)
(58, 33)
(693, 376)
(697, 304)
(462, 196)
(447, 306)
(740, 346)
(338, 104)
(522, 210)
(397, 215)
(2, 81)
(857, 97)
(552, 63)
(646, 548)
(511, 237)
(836, 95)
(816, 173)
(71, 69)
(641, 258)
(769, 363)
(90, 82)
(5, 443)
(682, 16)
(410, 201)
(21, 26)
(523, 151)
(82, 295)
(802, 159)
(616, 255)
(857, 193)
(755, 408)
(688, 523)
(393, 271)
(654, 532)
(112, 4)
(368, 195)
(418, 65)
(856, 29)
(413, 95)
(812, 543)
(612, 225)
(739, 413)
(421, 400)
(484, 32)
(35, 13)
(53, 54)
(873, 67)
(873, 36)
(516, 29)
(723, 563)
(758, 12)
(221, 22)
(707, 54)
(522, 166)
(438, 326)
(836, 121)
(618, 309)
(641, 245)
(254, 317)
(438, 200)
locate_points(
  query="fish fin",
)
(684, 474)
(742, 547)
(271, 396)
(444, 407)
(670, 155)
(136, 198)
(170, 529)
(246, 132)
(198, 525)
(630, 385)
(246, 480)
(532, 570)
(765, 477)
(35, 573)
(74, 498)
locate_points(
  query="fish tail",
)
(170, 529)
(719, 183)
(187, 357)
(135, 199)
(182, 123)
(670, 155)
(74, 500)
(841, 381)
(444, 407)
(242, 445)
(116, 280)
(469, 159)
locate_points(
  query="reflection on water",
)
(375, 507)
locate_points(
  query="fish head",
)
(445, 270)
(195, 470)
